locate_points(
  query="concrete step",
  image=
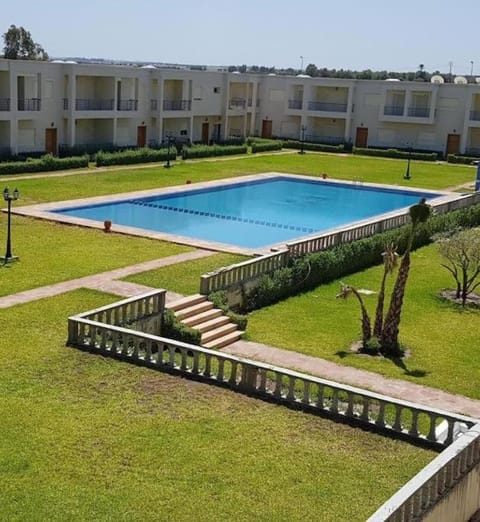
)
(225, 340)
(212, 323)
(196, 309)
(186, 302)
(218, 332)
(203, 317)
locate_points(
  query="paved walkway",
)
(363, 379)
(104, 281)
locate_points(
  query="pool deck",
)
(47, 211)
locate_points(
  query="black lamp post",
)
(303, 128)
(169, 141)
(9, 197)
(407, 174)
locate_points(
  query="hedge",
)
(219, 300)
(172, 328)
(317, 147)
(130, 157)
(265, 145)
(205, 151)
(44, 164)
(465, 160)
(308, 271)
(395, 153)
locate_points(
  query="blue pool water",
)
(253, 214)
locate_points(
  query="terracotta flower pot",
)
(107, 225)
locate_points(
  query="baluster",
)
(320, 403)
(233, 375)
(103, 342)
(365, 410)
(277, 393)
(349, 411)
(208, 364)
(124, 314)
(380, 422)
(334, 405)
(114, 345)
(93, 335)
(263, 381)
(116, 316)
(148, 351)
(220, 371)
(82, 334)
(431, 432)
(306, 392)
(291, 388)
(183, 365)
(451, 425)
(397, 424)
(195, 363)
(123, 340)
(136, 348)
(171, 356)
(108, 316)
(140, 313)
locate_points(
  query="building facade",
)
(47, 105)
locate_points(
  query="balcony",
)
(327, 107)
(393, 110)
(475, 115)
(419, 112)
(153, 105)
(295, 104)
(127, 105)
(93, 105)
(177, 105)
(29, 104)
(65, 104)
(237, 103)
(4, 104)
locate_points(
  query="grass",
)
(184, 278)
(84, 437)
(51, 252)
(113, 181)
(442, 338)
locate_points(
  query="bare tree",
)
(462, 259)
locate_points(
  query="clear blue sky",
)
(375, 34)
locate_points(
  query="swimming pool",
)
(254, 213)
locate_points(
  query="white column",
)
(348, 120)
(254, 109)
(71, 97)
(13, 112)
(466, 122)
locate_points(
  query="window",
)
(216, 90)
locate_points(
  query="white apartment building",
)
(44, 105)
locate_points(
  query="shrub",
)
(395, 153)
(266, 145)
(130, 157)
(219, 300)
(465, 160)
(316, 147)
(311, 270)
(44, 164)
(174, 329)
(205, 151)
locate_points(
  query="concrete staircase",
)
(197, 312)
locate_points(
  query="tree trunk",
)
(377, 328)
(366, 326)
(389, 337)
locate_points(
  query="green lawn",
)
(443, 339)
(184, 278)
(84, 437)
(378, 170)
(51, 252)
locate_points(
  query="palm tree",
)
(419, 213)
(390, 259)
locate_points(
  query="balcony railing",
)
(93, 105)
(295, 104)
(177, 105)
(327, 107)
(65, 104)
(419, 112)
(29, 104)
(4, 104)
(237, 103)
(327, 140)
(393, 110)
(475, 115)
(127, 105)
(153, 105)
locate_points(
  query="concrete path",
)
(363, 379)
(104, 281)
